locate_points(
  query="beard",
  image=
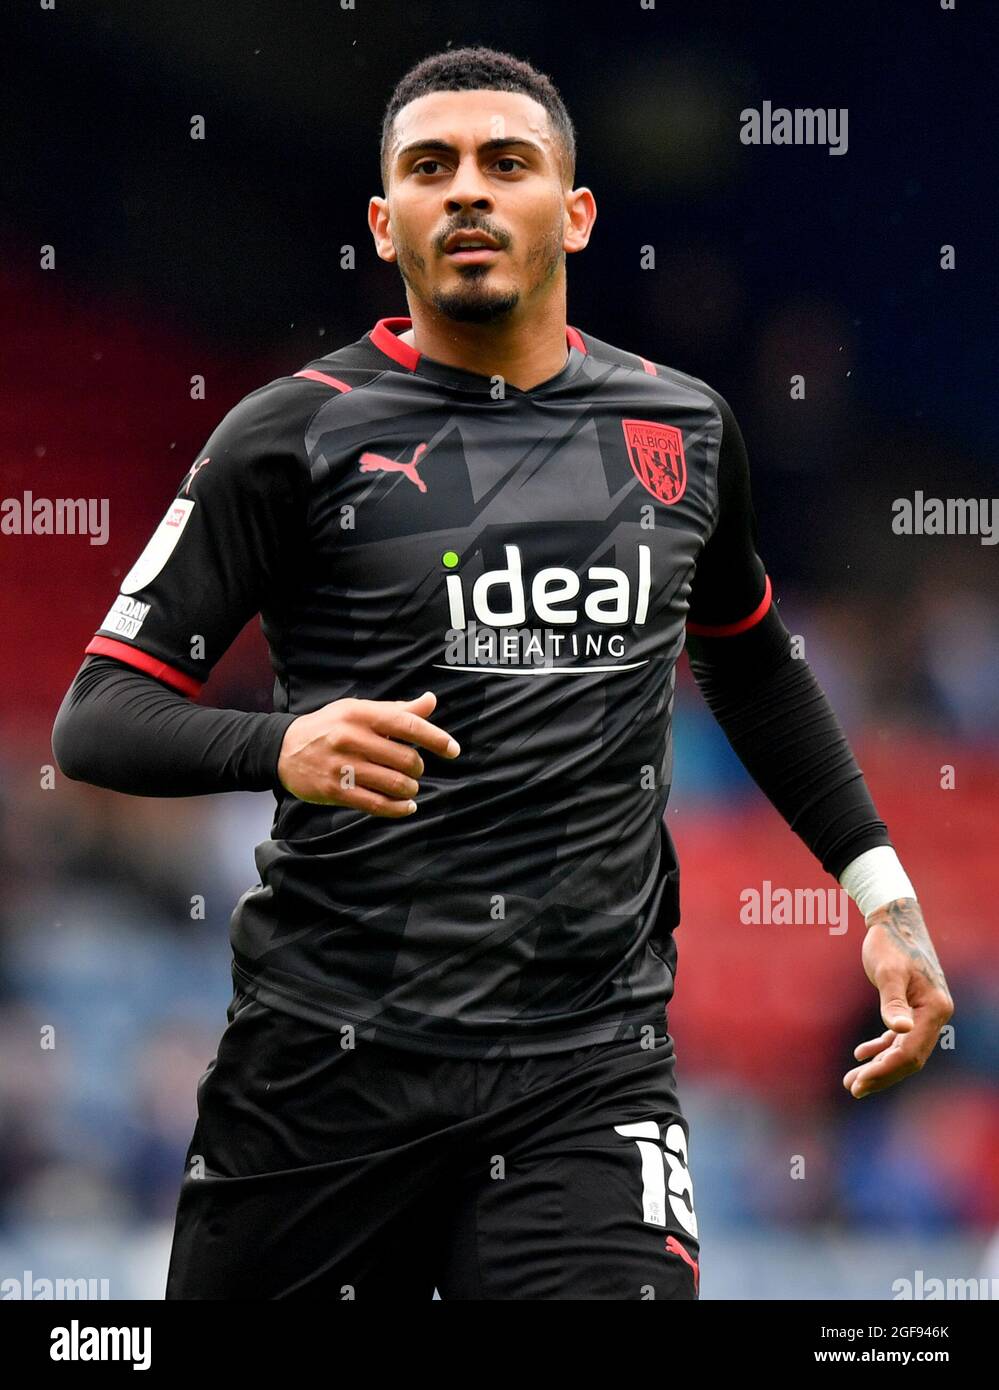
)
(475, 300)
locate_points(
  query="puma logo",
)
(674, 1246)
(190, 477)
(370, 461)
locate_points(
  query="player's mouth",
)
(470, 247)
(471, 256)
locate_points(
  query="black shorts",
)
(318, 1171)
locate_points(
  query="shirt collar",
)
(385, 337)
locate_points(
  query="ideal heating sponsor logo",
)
(488, 617)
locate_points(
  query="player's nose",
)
(468, 188)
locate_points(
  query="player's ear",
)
(581, 213)
(378, 222)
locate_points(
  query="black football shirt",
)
(534, 558)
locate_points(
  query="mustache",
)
(499, 237)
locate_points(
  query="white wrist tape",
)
(874, 878)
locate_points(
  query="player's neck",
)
(524, 354)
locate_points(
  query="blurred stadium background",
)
(223, 257)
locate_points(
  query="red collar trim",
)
(385, 337)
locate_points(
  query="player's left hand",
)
(902, 965)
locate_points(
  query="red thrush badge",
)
(656, 454)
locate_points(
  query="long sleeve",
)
(227, 548)
(122, 729)
(765, 698)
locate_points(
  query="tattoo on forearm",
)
(903, 921)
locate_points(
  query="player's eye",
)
(514, 164)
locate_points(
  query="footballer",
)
(478, 539)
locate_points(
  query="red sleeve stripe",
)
(142, 661)
(732, 629)
(310, 375)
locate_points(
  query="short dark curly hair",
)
(472, 69)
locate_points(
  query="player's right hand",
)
(356, 753)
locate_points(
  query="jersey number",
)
(654, 1163)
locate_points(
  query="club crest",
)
(656, 454)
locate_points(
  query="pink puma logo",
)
(370, 461)
(197, 467)
(674, 1246)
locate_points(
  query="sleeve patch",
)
(159, 547)
(125, 617)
